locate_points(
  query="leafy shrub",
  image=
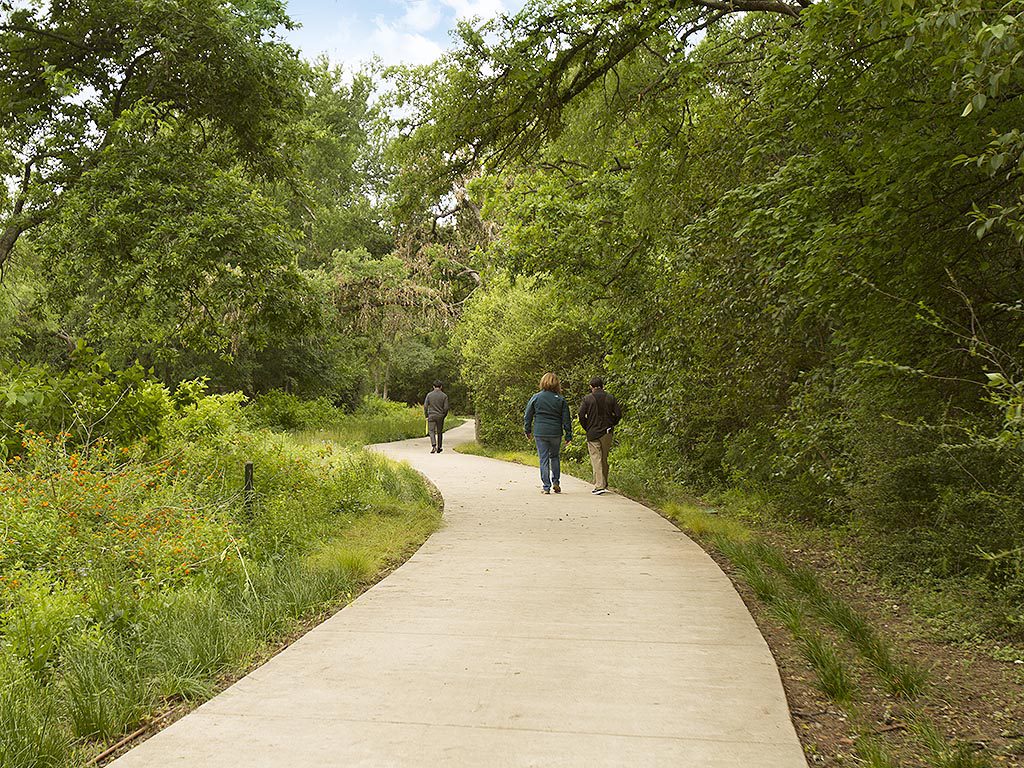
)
(209, 416)
(42, 615)
(509, 337)
(84, 403)
(372, 405)
(283, 412)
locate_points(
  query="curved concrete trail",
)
(531, 630)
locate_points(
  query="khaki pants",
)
(599, 459)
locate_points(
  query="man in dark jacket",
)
(599, 413)
(435, 408)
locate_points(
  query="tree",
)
(501, 93)
(338, 174)
(74, 74)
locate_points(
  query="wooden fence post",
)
(250, 488)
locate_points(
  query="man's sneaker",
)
(433, 450)
(439, 450)
(556, 488)
(599, 491)
(545, 490)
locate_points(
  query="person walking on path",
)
(599, 413)
(435, 408)
(546, 419)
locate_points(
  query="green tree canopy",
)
(74, 73)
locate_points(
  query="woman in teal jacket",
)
(546, 420)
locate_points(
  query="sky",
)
(398, 31)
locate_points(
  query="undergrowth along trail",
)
(136, 575)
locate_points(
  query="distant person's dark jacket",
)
(435, 405)
(599, 413)
(547, 415)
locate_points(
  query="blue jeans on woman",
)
(549, 448)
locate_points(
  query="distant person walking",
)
(435, 408)
(546, 420)
(599, 413)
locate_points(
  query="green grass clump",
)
(32, 733)
(702, 523)
(340, 561)
(833, 676)
(197, 637)
(805, 581)
(942, 754)
(764, 585)
(791, 613)
(106, 691)
(874, 754)
(850, 623)
(906, 680)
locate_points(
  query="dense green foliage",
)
(790, 238)
(223, 221)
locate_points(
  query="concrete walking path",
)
(531, 630)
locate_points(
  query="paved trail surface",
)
(531, 630)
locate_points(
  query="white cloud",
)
(396, 32)
(353, 41)
(421, 15)
(393, 45)
(467, 9)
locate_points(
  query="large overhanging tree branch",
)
(71, 71)
(501, 94)
(755, 6)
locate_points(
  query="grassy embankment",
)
(134, 577)
(856, 666)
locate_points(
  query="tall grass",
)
(105, 690)
(833, 674)
(196, 637)
(360, 429)
(32, 732)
